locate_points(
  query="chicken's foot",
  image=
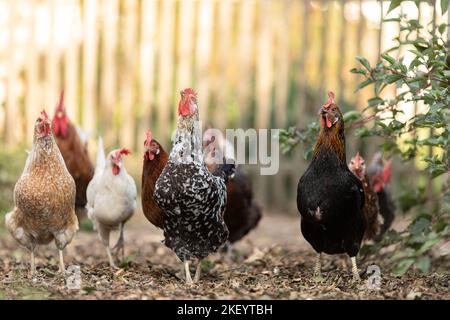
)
(198, 271)
(355, 270)
(188, 273)
(110, 258)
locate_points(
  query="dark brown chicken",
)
(371, 210)
(380, 174)
(75, 155)
(242, 213)
(155, 159)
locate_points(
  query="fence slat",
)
(31, 102)
(203, 55)
(185, 45)
(264, 71)
(146, 67)
(165, 70)
(282, 63)
(11, 135)
(89, 65)
(72, 62)
(222, 77)
(245, 58)
(108, 76)
(51, 65)
(127, 76)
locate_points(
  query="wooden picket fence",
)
(122, 63)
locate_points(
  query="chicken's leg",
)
(188, 273)
(104, 235)
(355, 270)
(119, 248)
(33, 265)
(318, 267)
(198, 271)
(62, 268)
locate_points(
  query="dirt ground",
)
(273, 262)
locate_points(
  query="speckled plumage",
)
(193, 199)
(44, 198)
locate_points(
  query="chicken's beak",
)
(323, 111)
(117, 163)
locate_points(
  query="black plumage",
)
(330, 198)
(387, 211)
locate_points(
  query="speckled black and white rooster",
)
(193, 199)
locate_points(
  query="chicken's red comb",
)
(387, 170)
(44, 115)
(330, 100)
(125, 151)
(148, 139)
(357, 157)
(60, 106)
(189, 91)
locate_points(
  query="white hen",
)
(111, 197)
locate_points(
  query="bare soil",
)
(273, 262)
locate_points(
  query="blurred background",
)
(122, 63)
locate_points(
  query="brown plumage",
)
(155, 159)
(44, 196)
(371, 209)
(242, 213)
(75, 154)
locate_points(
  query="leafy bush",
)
(422, 83)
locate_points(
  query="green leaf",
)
(375, 101)
(358, 71)
(89, 289)
(403, 266)
(391, 78)
(364, 62)
(49, 272)
(419, 226)
(442, 27)
(428, 245)
(394, 4)
(444, 5)
(364, 84)
(423, 264)
(351, 116)
(388, 58)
